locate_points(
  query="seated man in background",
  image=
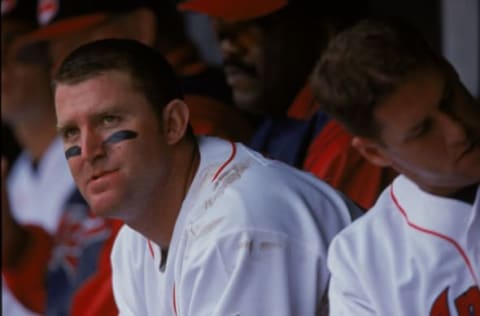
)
(269, 49)
(54, 253)
(417, 251)
(67, 24)
(212, 227)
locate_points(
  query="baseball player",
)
(55, 255)
(269, 49)
(417, 251)
(67, 24)
(213, 228)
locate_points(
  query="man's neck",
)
(158, 223)
(467, 194)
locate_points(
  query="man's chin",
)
(102, 208)
(247, 102)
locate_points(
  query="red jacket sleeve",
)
(332, 158)
(26, 278)
(95, 296)
(211, 117)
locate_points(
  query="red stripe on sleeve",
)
(232, 155)
(149, 243)
(434, 233)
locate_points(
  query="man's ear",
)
(176, 116)
(371, 150)
(141, 25)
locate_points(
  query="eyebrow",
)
(61, 128)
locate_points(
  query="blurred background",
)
(452, 26)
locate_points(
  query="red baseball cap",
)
(58, 18)
(234, 10)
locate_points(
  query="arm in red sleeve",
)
(332, 158)
(26, 276)
(95, 296)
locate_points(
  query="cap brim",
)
(64, 27)
(233, 11)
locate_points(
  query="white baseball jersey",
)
(38, 196)
(251, 239)
(11, 306)
(413, 253)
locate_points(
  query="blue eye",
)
(109, 119)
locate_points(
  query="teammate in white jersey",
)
(213, 228)
(417, 251)
(39, 182)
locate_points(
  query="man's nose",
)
(92, 146)
(230, 48)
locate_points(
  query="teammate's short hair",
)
(151, 74)
(366, 63)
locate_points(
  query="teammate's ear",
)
(176, 116)
(371, 150)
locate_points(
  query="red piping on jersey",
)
(150, 248)
(232, 155)
(174, 300)
(434, 233)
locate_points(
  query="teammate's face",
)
(114, 143)
(431, 131)
(240, 44)
(23, 83)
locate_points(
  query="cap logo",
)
(8, 6)
(46, 11)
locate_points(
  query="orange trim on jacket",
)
(304, 105)
(26, 279)
(209, 115)
(332, 158)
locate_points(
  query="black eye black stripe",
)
(73, 151)
(112, 139)
(119, 136)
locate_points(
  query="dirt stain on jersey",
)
(197, 232)
(225, 179)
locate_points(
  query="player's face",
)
(240, 44)
(431, 131)
(113, 142)
(23, 83)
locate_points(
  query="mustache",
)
(248, 69)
